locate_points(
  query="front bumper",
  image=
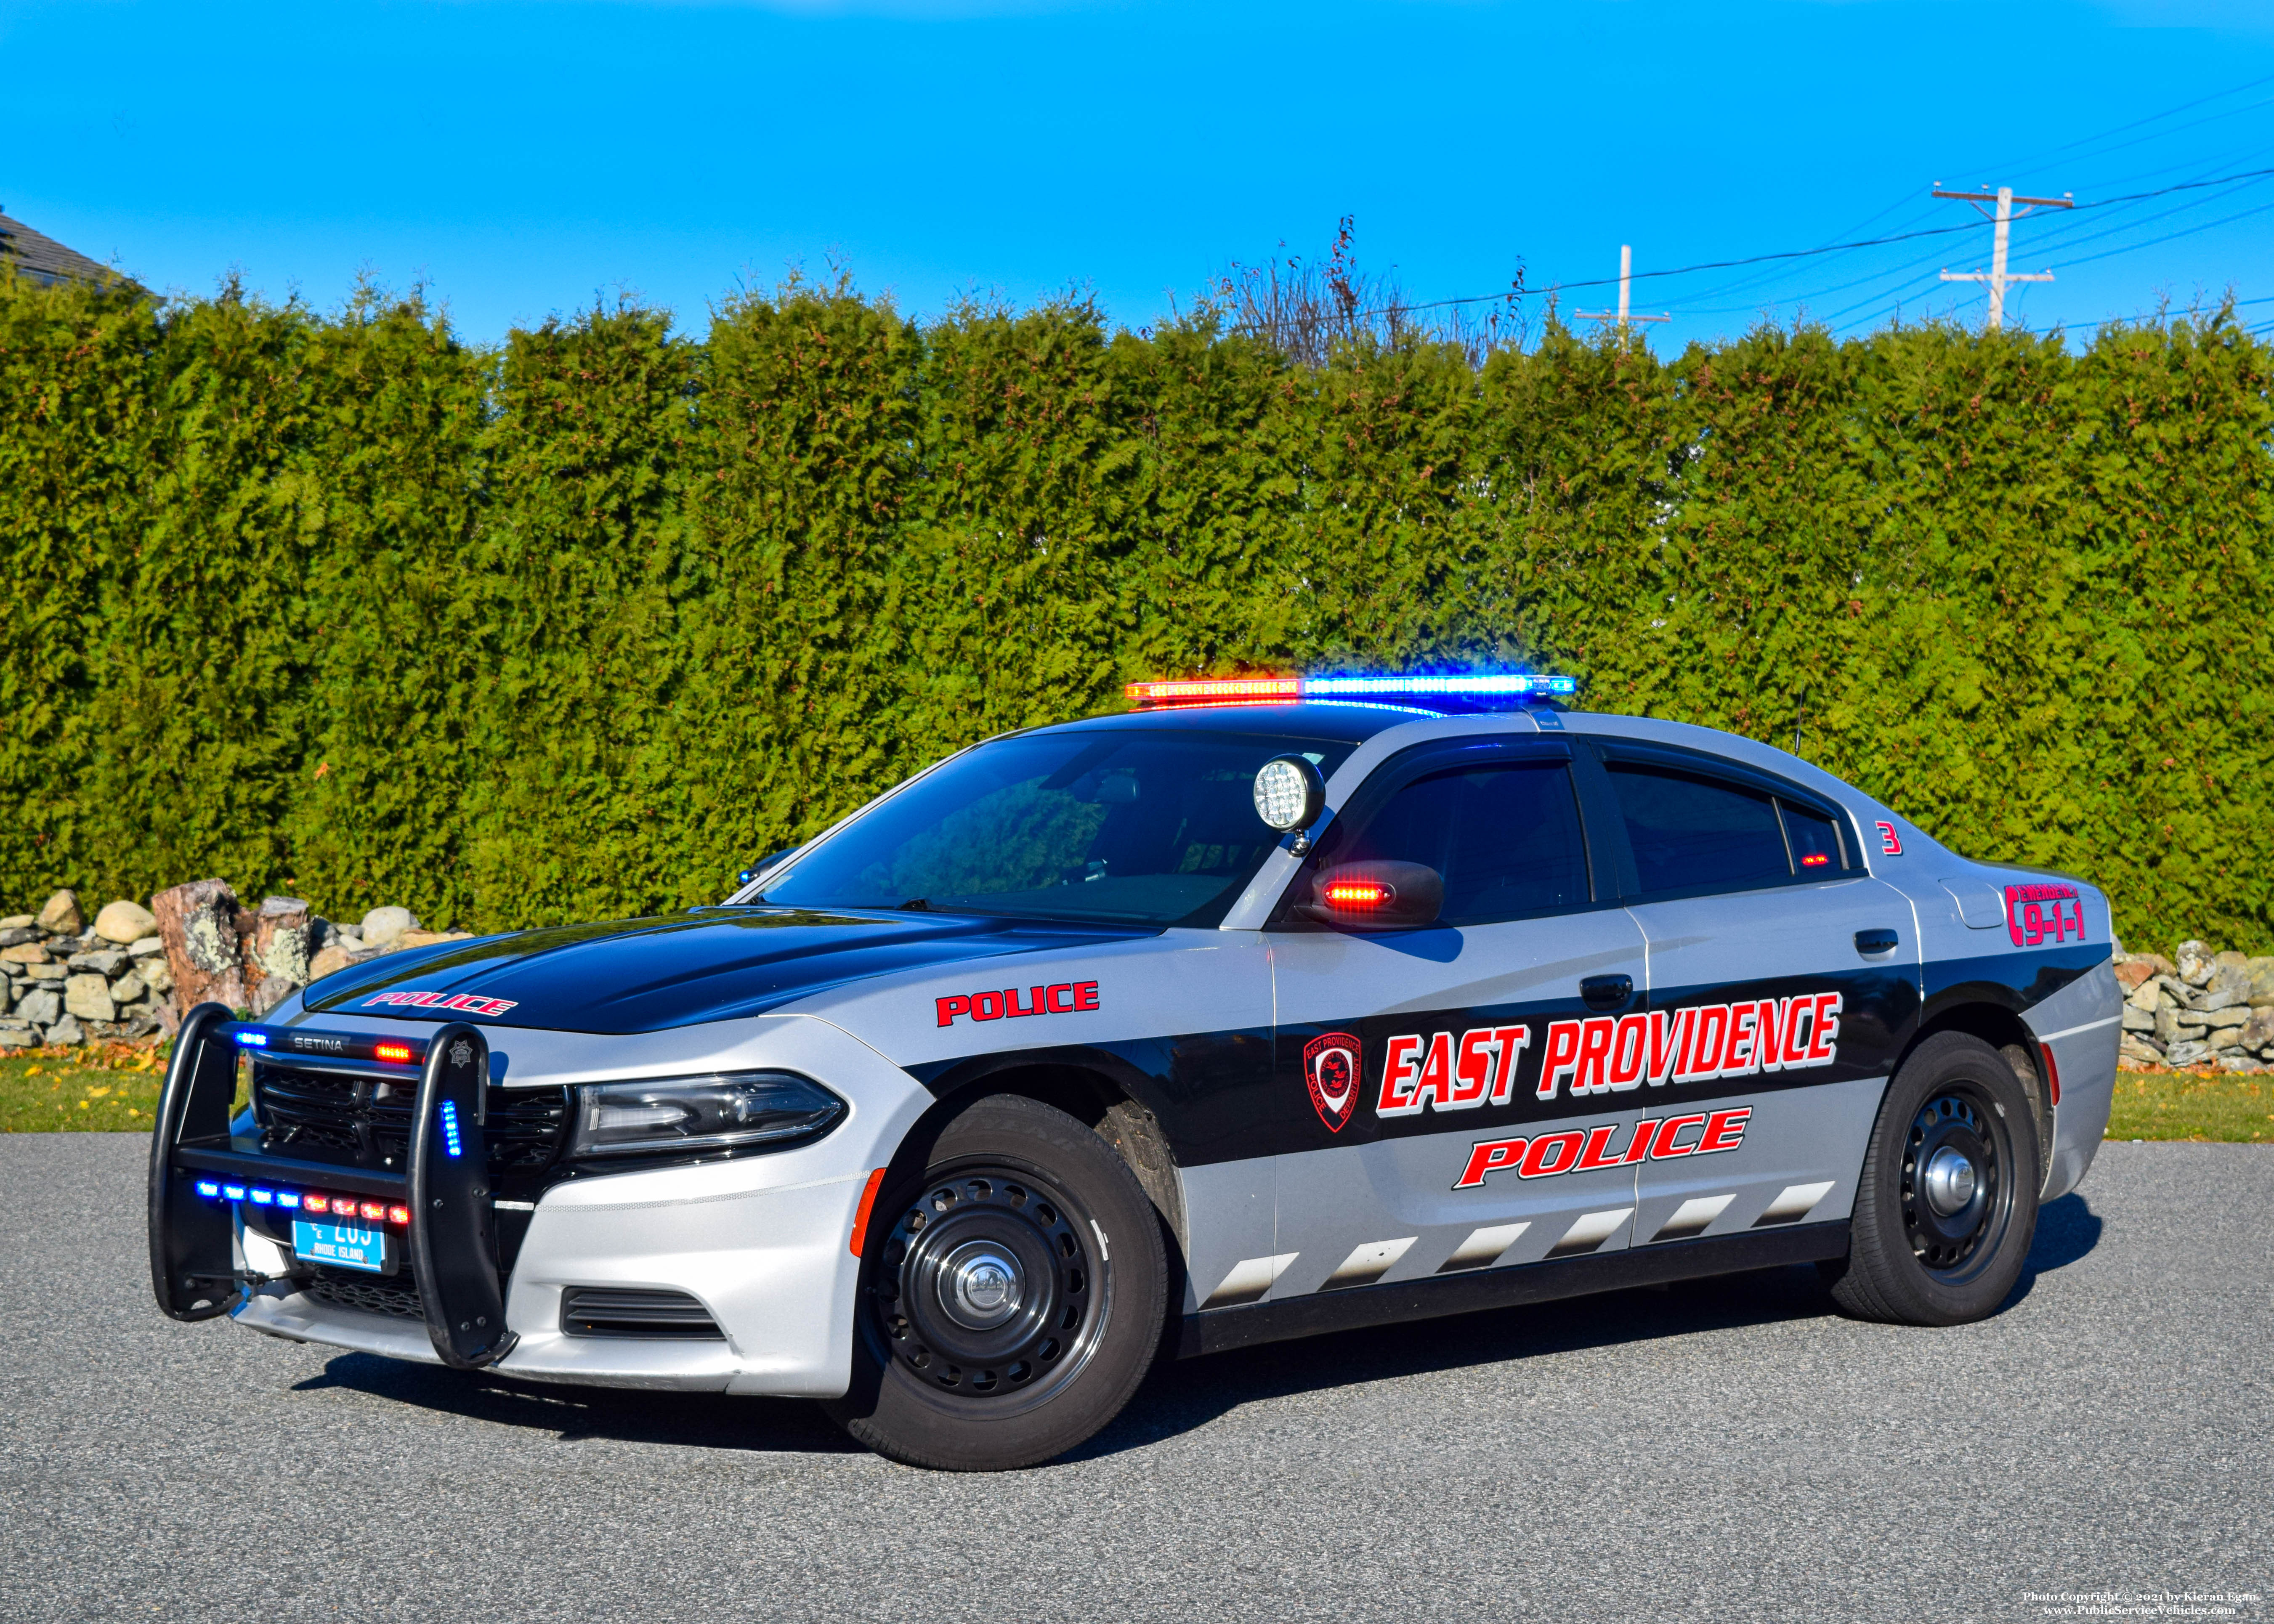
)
(772, 1265)
(761, 1242)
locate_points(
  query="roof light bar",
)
(1252, 690)
(1214, 690)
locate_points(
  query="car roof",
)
(1328, 721)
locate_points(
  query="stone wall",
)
(127, 977)
(2198, 1008)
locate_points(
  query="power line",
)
(1790, 253)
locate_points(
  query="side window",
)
(1815, 845)
(1505, 836)
(1690, 833)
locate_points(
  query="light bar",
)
(1496, 683)
(1252, 690)
(343, 1209)
(1220, 690)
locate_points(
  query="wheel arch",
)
(1998, 1023)
(1104, 1093)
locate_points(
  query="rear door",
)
(1782, 981)
(1407, 1061)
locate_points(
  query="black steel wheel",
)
(989, 1286)
(1946, 1206)
(1012, 1294)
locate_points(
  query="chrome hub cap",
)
(1950, 1181)
(980, 1286)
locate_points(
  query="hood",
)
(679, 970)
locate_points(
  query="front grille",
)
(374, 1294)
(614, 1310)
(368, 1119)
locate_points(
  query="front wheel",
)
(1011, 1299)
(1947, 1204)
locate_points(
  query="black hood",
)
(647, 975)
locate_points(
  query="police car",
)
(1272, 1007)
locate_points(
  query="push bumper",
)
(762, 1243)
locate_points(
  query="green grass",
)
(91, 1090)
(2193, 1105)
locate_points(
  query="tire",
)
(1010, 1298)
(1947, 1204)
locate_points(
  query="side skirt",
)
(1222, 1329)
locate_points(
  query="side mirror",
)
(1375, 896)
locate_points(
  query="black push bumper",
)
(451, 1240)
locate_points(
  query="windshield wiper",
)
(915, 904)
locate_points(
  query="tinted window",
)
(1138, 826)
(1506, 837)
(1690, 833)
(1815, 840)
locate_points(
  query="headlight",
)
(749, 1110)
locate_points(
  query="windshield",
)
(1138, 826)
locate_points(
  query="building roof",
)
(45, 261)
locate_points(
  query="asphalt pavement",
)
(1730, 1448)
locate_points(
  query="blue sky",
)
(525, 159)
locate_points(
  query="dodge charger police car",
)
(1269, 1007)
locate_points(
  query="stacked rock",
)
(63, 981)
(127, 978)
(2198, 1008)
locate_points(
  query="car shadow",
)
(576, 1414)
(2068, 1230)
(1180, 1395)
(1183, 1395)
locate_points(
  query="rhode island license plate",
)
(340, 1246)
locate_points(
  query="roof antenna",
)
(1799, 710)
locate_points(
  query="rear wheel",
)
(1947, 1204)
(1011, 1299)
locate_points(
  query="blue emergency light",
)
(450, 1127)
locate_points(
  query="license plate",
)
(340, 1246)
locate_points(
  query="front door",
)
(1408, 1063)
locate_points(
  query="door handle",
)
(1606, 992)
(1876, 941)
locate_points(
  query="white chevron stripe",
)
(1589, 1231)
(1796, 1202)
(1250, 1278)
(1483, 1247)
(1692, 1216)
(1368, 1264)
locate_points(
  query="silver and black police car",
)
(1271, 1007)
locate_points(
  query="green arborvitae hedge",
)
(344, 607)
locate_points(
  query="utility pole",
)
(1997, 277)
(1626, 276)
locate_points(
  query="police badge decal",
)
(1330, 1066)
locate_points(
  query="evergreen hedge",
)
(344, 607)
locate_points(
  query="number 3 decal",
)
(1890, 842)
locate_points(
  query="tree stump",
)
(198, 923)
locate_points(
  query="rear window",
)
(1694, 833)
